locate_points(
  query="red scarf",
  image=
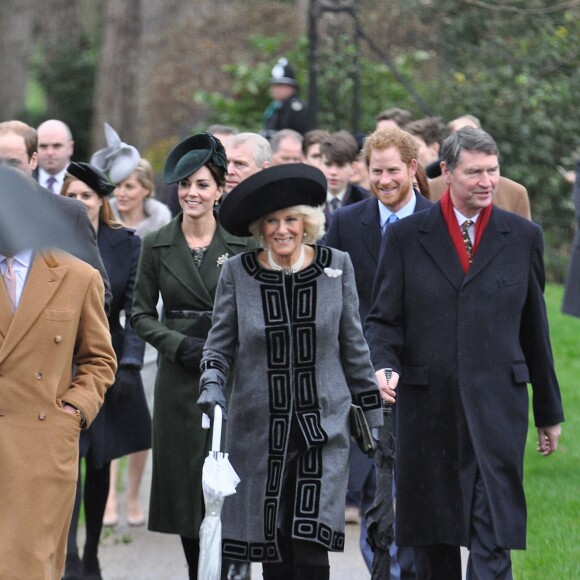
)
(455, 230)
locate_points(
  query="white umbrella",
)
(218, 480)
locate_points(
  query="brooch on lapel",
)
(222, 260)
(332, 273)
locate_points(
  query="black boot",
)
(73, 568)
(312, 573)
(91, 568)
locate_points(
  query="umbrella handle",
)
(217, 429)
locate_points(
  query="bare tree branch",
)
(515, 9)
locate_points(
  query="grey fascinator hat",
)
(117, 159)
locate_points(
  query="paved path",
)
(129, 553)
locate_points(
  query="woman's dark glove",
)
(211, 394)
(190, 351)
(125, 383)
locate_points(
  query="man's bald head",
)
(55, 146)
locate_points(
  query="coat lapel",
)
(436, 241)
(43, 281)
(178, 261)
(492, 242)
(223, 246)
(371, 229)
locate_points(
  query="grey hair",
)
(466, 139)
(313, 217)
(262, 152)
(276, 139)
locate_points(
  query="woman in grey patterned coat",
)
(288, 314)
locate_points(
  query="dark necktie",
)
(392, 219)
(466, 239)
(334, 203)
(50, 183)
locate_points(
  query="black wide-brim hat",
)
(191, 154)
(92, 177)
(270, 190)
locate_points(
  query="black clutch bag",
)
(201, 327)
(360, 430)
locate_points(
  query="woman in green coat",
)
(181, 263)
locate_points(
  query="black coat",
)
(571, 303)
(291, 114)
(356, 229)
(465, 346)
(353, 194)
(122, 426)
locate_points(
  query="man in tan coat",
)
(51, 318)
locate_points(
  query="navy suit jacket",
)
(356, 229)
(353, 195)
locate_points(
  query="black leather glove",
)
(126, 381)
(211, 394)
(190, 351)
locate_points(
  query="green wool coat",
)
(180, 445)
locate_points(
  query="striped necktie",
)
(10, 282)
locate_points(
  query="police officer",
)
(286, 111)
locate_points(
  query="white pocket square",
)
(332, 273)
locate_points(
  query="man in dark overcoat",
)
(459, 316)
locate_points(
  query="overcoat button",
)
(58, 338)
(38, 376)
(42, 416)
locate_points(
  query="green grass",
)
(552, 484)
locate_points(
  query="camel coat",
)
(60, 321)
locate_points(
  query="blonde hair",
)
(144, 174)
(313, 218)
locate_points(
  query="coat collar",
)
(436, 241)
(44, 279)
(176, 257)
(370, 223)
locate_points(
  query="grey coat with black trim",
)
(305, 365)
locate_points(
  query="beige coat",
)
(60, 321)
(510, 195)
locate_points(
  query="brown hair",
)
(312, 138)
(106, 215)
(25, 131)
(340, 148)
(399, 116)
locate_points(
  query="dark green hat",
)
(92, 177)
(270, 190)
(191, 154)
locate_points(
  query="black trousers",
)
(487, 560)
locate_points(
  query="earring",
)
(216, 202)
(304, 234)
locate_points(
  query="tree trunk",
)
(16, 27)
(115, 89)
